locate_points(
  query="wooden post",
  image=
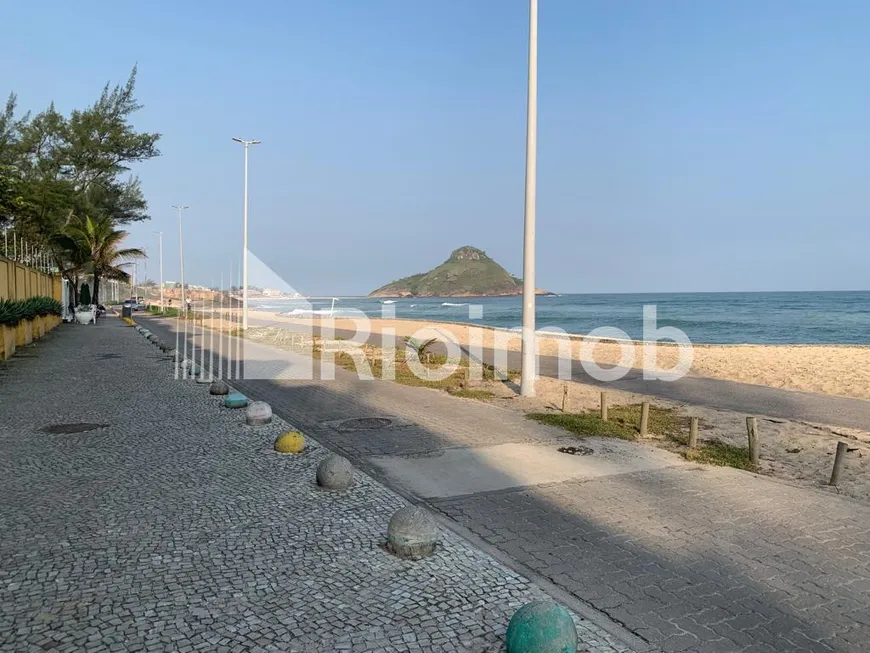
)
(839, 461)
(693, 433)
(752, 433)
(603, 405)
(644, 418)
(564, 397)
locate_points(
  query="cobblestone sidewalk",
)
(174, 527)
(693, 558)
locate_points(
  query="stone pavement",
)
(171, 526)
(687, 557)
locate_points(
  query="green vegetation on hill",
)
(469, 272)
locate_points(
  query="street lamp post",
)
(181, 207)
(247, 144)
(160, 238)
(527, 387)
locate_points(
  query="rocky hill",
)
(469, 272)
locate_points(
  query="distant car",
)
(131, 304)
(140, 305)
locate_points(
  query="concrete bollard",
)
(258, 413)
(235, 400)
(541, 627)
(290, 442)
(335, 473)
(411, 533)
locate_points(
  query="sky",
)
(721, 145)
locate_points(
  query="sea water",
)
(841, 317)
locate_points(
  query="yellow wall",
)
(20, 282)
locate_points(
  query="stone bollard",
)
(258, 413)
(335, 473)
(541, 627)
(290, 442)
(204, 377)
(411, 533)
(235, 400)
(219, 387)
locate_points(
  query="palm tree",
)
(100, 242)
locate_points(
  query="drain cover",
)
(355, 424)
(366, 423)
(75, 427)
(576, 451)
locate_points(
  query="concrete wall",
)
(20, 282)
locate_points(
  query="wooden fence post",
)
(839, 461)
(644, 418)
(603, 405)
(752, 433)
(564, 397)
(693, 433)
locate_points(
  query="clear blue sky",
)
(683, 145)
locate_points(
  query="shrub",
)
(13, 311)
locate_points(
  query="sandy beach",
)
(828, 369)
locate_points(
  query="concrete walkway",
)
(165, 524)
(700, 391)
(689, 558)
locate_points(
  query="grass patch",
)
(586, 424)
(455, 383)
(664, 422)
(623, 422)
(470, 393)
(722, 454)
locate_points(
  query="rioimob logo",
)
(291, 337)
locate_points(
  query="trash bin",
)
(127, 311)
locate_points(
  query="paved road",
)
(172, 527)
(715, 393)
(688, 558)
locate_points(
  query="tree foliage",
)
(54, 168)
(98, 244)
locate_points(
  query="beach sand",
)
(794, 451)
(828, 369)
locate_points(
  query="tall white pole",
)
(222, 334)
(162, 305)
(182, 310)
(245, 252)
(527, 388)
(181, 252)
(244, 321)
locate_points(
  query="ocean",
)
(723, 318)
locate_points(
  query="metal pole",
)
(527, 388)
(245, 252)
(244, 321)
(162, 305)
(181, 208)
